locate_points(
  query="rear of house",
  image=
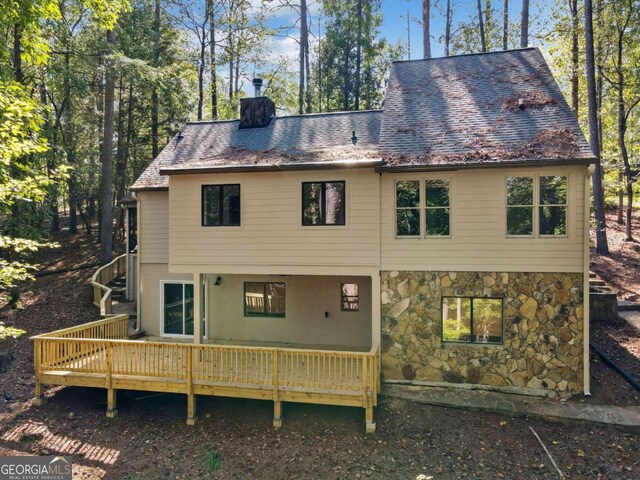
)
(447, 232)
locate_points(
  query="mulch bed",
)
(149, 438)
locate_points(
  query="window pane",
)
(553, 220)
(487, 320)
(520, 191)
(553, 190)
(188, 309)
(519, 220)
(231, 205)
(408, 193)
(334, 214)
(437, 193)
(275, 296)
(254, 298)
(456, 319)
(211, 205)
(437, 221)
(350, 299)
(311, 193)
(173, 309)
(408, 222)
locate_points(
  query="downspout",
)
(585, 278)
(138, 259)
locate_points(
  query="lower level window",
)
(264, 299)
(177, 308)
(472, 320)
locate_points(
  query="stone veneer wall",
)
(543, 330)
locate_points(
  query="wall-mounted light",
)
(218, 281)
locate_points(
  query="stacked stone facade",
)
(542, 330)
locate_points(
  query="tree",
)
(524, 25)
(505, 25)
(447, 28)
(602, 246)
(106, 205)
(426, 28)
(483, 38)
(304, 53)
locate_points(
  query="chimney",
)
(257, 83)
(258, 111)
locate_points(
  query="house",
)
(443, 239)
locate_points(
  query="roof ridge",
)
(304, 115)
(474, 54)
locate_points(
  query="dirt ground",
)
(621, 268)
(149, 439)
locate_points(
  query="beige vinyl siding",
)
(271, 231)
(478, 227)
(154, 227)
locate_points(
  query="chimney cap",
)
(257, 82)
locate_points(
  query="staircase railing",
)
(101, 280)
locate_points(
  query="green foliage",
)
(10, 332)
(212, 461)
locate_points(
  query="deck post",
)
(39, 399)
(191, 398)
(197, 308)
(277, 404)
(112, 411)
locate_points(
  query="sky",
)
(394, 26)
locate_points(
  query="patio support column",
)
(197, 308)
(375, 309)
(112, 411)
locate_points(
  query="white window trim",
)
(422, 208)
(536, 205)
(204, 319)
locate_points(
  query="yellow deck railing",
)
(98, 354)
(101, 279)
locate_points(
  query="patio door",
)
(177, 309)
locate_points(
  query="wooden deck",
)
(98, 354)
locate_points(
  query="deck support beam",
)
(368, 414)
(112, 411)
(277, 414)
(191, 409)
(39, 400)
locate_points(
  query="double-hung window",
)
(537, 206)
(423, 208)
(323, 203)
(221, 205)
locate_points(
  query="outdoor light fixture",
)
(218, 281)
(354, 139)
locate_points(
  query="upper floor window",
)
(435, 202)
(537, 204)
(323, 203)
(221, 205)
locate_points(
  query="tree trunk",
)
(483, 39)
(154, 90)
(358, 73)
(622, 130)
(52, 196)
(505, 25)
(212, 60)
(106, 232)
(575, 86)
(69, 142)
(303, 52)
(17, 53)
(447, 30)
(121, 167)
(203, 48)
(524, 26)
(602, 246)
(426, 28)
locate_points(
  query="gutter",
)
(272, 168)
(545, 162)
